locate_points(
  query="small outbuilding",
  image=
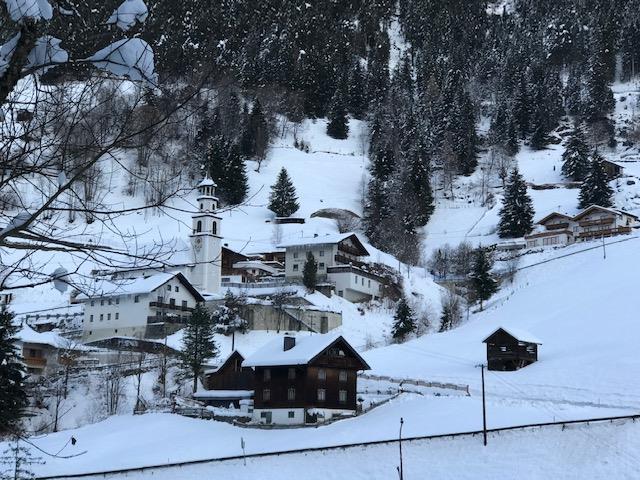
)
(511, 349)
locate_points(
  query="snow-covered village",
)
(319, 239)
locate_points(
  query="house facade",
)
(305, 379)
(510, 349)
(142, 307)
(592, 222)
(229, 383)
(340, 260)
(45, 353)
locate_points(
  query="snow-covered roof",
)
(331, 238)
(207, 182)
(140, 285)
(306, 348)
(604, 209)
(29, 335)
(521, 335)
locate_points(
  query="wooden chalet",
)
(305, 379)
(229, 383)
(509, 350)
(612, 169)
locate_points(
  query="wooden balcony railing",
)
(557, 226)
(170, 306)
(604, 233)
(35, 362)
(599, 221)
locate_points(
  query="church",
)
(154, 301)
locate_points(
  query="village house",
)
(510, 349)
(592, 222)
(45, 353)
(305, 379)
(143, 307)
(340, 265)
(238, 268)
(227, 384)
(612, 169)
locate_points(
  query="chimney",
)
(289, 342)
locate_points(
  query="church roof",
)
(207, 182)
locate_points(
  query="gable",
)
(341, 349)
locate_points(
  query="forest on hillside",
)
(522, 66)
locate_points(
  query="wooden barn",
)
(228, 383)
(510, 349)
(305, 379)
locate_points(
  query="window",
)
(101, 317)
(295, 254)
(160, 299)
(291, 394)
(340, 293)
(322, 374)
(201, 207)
(343, 375)
(342, 396)
(117, 300)
(172, 302)
(369, 284)
(108, 316)
(93, 303)
(295, 267)
(214, 228)
(136, 299)
(169, 287)
(321, 265)
(109, 301)
(184, 304)
(176, 289)
(117, 315)
(356, 278)
(266, 374)
(291, 414)
(116, 330)
(362, 280)
(321, 254)
(292, 374)
(322, 394)
(91, 318)
(102, 301)
(199, 226)
(266, 395)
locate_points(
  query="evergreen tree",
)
(226, 167)
(575, 156)
(377, 212)
(227, 318)
(483, 285)
(198, 343)
(357, 96)
(338, 126)
(600, 99)
(404, 321)
(255, 138)
(595, 189)
(283, 200)
(516, 214)
(13, 397)
(310, 273)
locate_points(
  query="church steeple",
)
(206, 239)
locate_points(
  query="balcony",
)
(599, 221)
(165, 319)
(557, 226)
(609, 232)
(170, 306)
(35, 362)
(341, 259)
(355, 270)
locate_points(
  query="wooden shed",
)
(510, 349)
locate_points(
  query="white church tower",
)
(206, 240)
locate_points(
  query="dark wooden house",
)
(509, 350)
(305, 379)
(228, 383)
(612, 169)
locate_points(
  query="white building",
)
(142, 307)
(592, 222)
(340, 263)
(201, 261)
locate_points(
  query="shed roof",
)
(516, 333)
(307, 348)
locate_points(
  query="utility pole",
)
(400, 472)
(484, 406)
(604, 250)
